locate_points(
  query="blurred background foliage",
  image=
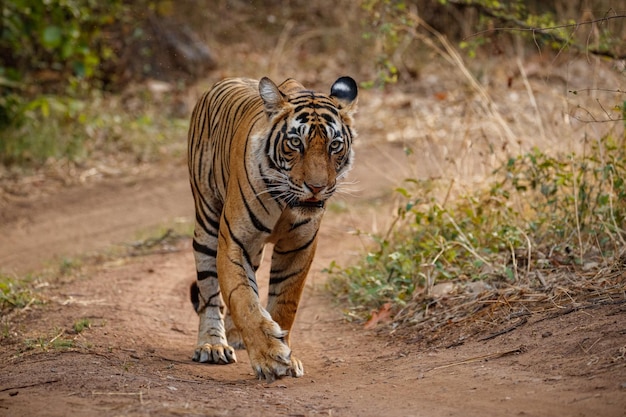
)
(59, 58)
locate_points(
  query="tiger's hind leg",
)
(212, 345)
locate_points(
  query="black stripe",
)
(251, 279)
(306, 245)
(233, 290)
(298, 224)
(255, 220)
(213, 223)
(202, 275)
(281, 279)
(250, 183)
(209, 303)
(276, 271)
(199, 247)
(208, 212)
(237, 242)
(315, 105)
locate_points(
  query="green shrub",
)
(52, 45)
(14, 294)
(538, 207)
(70, 129)
(81, 324)
(59, 36)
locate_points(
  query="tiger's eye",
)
(336, 145)
(295, 142)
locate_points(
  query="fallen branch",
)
(589, 306)
(495, 355)
(50, 381)
(520, 323)
(132, 394)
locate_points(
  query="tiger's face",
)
(309, 147)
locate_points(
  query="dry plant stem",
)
(479, 358)
(514, 260)
(56, 337)
(577, 214)
(520, 323)
(525, 27)
(529, 255)
(286, 36)
(467, 245)
(279, 49)
(50, 381)
(445, 200)
(132, 394)
(486, 102)
(618, 231)
(430, 277)
(531, 97)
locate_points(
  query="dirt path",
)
(135, 358)
(83, 219)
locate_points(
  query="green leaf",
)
(51, 37)
(79, 69)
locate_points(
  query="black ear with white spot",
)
(345, 91)
(273, 99)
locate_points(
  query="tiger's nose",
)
(315, 188)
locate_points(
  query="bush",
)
(50, 47)
(55, 39)
(538, 211)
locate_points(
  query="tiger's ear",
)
(273, 99)
(345, 91)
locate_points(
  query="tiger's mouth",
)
(311, 202)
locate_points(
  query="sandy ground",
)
(135, 358)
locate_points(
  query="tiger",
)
(263, 161)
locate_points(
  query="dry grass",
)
(487, 311)
(458, 123)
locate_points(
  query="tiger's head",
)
(309, 144)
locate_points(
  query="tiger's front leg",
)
(291, 261)
(265, 341)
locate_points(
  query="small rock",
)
(589, 266)
(443, 289)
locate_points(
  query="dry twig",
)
(489, 356)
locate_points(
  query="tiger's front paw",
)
(296, 369)
(217, 354)
(271, 357)
(271, 368)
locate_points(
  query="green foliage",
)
(55, 343)
(72, 129)
(46, 45)
(14, 294)
(571, 198)
(81, 325)
(56, 35)
(473, 24)
(388, 20)
(537, 207)
(45, 134)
